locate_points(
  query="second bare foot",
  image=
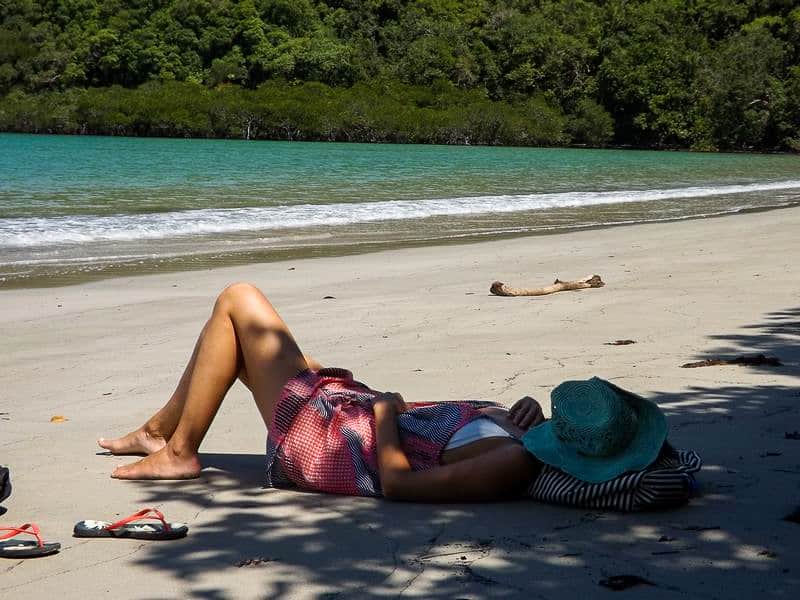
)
(136, 442)
(164, 464)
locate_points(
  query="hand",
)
(391, 399)
(526, 413)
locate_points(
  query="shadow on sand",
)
(730, 542)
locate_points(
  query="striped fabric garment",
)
(322, 437)
(668, 482)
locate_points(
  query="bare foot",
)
(136, 442)
(164, 464)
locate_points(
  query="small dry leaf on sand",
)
(58, 419)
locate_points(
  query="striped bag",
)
(666, 483)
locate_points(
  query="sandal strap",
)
(29, 528)
(143, 514)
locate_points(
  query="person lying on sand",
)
(330, 433)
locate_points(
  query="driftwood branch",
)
(501, 289)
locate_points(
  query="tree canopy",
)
(705, 74)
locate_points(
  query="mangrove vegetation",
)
(701, 74)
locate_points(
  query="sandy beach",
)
(420, 321)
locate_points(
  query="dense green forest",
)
(702, 74)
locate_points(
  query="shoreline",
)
(197, 262)
(421, 321)
(687, 149)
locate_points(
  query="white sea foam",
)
(29, 232)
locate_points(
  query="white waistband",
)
(478, 429)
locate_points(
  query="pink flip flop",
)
(26, 548)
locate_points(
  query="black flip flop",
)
(125, 529)
(25, 549)
(5, 483)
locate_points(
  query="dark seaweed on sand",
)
(753, 360)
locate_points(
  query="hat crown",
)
(591, 418)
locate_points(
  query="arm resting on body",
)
(498, 473)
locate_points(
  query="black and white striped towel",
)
(667, 482)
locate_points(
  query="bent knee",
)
(238, 294)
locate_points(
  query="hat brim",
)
(643, 449)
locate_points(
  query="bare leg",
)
(153, 435)
(158, 429)
(244, 335)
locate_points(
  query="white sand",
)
(421, 321)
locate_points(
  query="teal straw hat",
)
(598, 431)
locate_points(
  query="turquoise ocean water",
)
(73, 208)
